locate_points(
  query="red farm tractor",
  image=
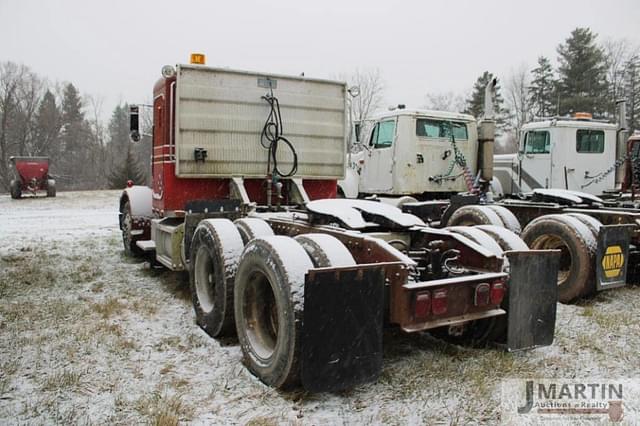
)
(31, 175)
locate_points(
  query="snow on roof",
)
(582, 124)
(427, 113)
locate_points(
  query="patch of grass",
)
(145, 307)
(109, 307)
(263, 421)
(65, 380)
(163, 409)
(170, 342)
(87, 271)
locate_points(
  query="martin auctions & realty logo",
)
(545, 401)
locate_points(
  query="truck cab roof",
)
(425, 113)
(583, 124)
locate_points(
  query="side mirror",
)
(134, 123)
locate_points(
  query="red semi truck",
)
(245, 168)
(31, 175)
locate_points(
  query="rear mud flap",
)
(533, 296)
(612, 256)
(342, 327)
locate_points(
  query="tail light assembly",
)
(498, 290)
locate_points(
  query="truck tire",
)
(128, 239)
(479, 237)
(509, 220)
(475, 215)
(577, 245)
(16, 191)
(506, 239)
(268, 303)
(325, 250)
(592, 223)
(251, 227)
(51, 188)
(215, 251)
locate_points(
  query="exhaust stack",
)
(621, 142)
(487, 135)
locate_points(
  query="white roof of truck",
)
(582, 124)
(427, 113)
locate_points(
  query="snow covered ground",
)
(87, 336)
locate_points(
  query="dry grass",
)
(64, 380)
(163, 409)
(110, 307)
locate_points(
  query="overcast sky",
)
(115, 49)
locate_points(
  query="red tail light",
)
(497, 292)
(482, 294)
(423, 304)
(439, 302)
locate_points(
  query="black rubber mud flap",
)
(612, 256)
(533, 296)
(342, 327)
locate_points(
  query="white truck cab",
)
(574, 154)
(412, 151)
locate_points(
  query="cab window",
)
(537, 142)
(590, 141)
(383, 134)
(429, 128)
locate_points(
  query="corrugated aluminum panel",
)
(222, 111)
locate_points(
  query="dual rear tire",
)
(246, 280)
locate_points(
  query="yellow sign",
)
(612, 261)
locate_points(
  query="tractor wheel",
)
(592, 223)
(215, 251)
(16, 191)
(577, 245)
(251, 227)
(509, 220)
(325, 250)
(51, 189)
(506, 239)
(477, 236)
(128, 239)
(475, 215)
(268, 302)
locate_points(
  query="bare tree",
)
(445, 101)
(518, 97)
(99, 155)
(370, 97)
(620, 56)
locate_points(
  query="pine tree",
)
(582, 84)
(47, 127)
(75, 162)
(542, 88)
(118, 134)
(475, 104)
(129, 170)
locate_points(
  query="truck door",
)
(535, 166)
(590, 162)
(377, 171)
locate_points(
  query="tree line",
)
(590, 77)
(40, 118)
